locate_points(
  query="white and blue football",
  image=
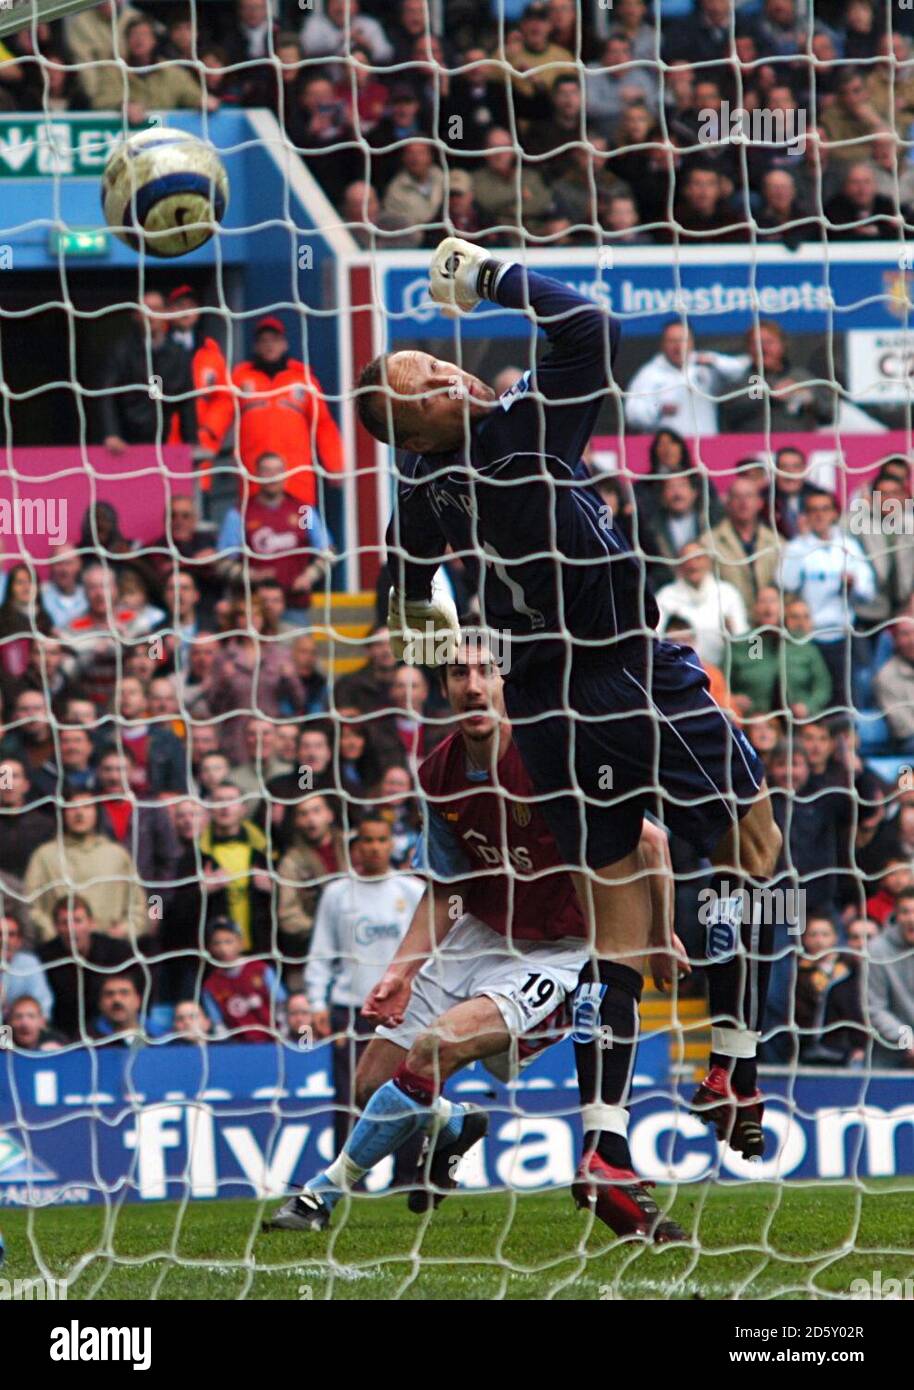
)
(165, 191)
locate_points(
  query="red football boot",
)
(621, 1200)
(736, 1120)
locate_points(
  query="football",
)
(165, 191)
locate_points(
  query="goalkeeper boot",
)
(735, 1119)
(436, 1170)
(304, 1212)
(622, 1201)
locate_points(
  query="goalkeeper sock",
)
(605, 1036)
(737, 979)
(397, 1110)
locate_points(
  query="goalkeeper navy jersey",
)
(537, 540)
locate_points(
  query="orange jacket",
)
(281, 415)
(211, 379)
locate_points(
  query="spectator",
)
(210, 376)
(896, 875)
(159, 761)
(677, 388)
(890, 555)
(360, 93)
(133, 592)
(584, 184)
(119, 1019)
(22, 616)
(828, 1004)
(148, 82)
(261, 764)
(703, 37)
(251, 42)
(281, 538)
(782, 216)
(96, 36)
(62, 595)
(240, 995)
(744, 550)
(398, 804)
(360, 922)
(21, 972)
(312, 678)
(318, 128)
(630, 19)
(44, 674)
(479, 100)
(76, 959)
(402, 123)
(368, 688)
(362, 214)
(331, 34)
(249, 676)
(298, 1019)
(415, 196)
(243, 859)
(316, 856)
(814, 823)
(640, 158)
(512, 202)
(616, 82)
(791, 489)
(893, 686)
(128, 411)
(713, 607)
(852, 120)
(890, 989)
(99, 871)
(193, 1024)
(99, 635)
(701, 211)
(356, 759)
(23, 826)
(29, 1027)
(282, 408)
(788, 404)
(770, 671)
(31, 742)
(830, 572)
(144, 830)
(679, 521)
(859, 211)
(618, 215)
(530, 49)
(76, 754)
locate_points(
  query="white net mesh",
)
(221, 794)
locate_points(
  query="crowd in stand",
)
(583, 121)
(180, 780)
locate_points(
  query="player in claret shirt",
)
(240, 995)
(610, 721)
(491, 986)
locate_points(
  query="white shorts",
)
(528, 981)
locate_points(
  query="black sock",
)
(605, 1037)
(738, 982)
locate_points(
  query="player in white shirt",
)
(714, 607)
(361, 920)
(679, 388)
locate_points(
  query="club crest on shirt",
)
(521, 814)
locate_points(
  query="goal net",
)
(226, 791)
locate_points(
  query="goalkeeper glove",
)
(423, 632)
(462, 274)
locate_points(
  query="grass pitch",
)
(747, 1241)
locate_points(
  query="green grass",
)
(749, 1241)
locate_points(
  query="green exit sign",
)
(73, 242)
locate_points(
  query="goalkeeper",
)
(607, 718)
